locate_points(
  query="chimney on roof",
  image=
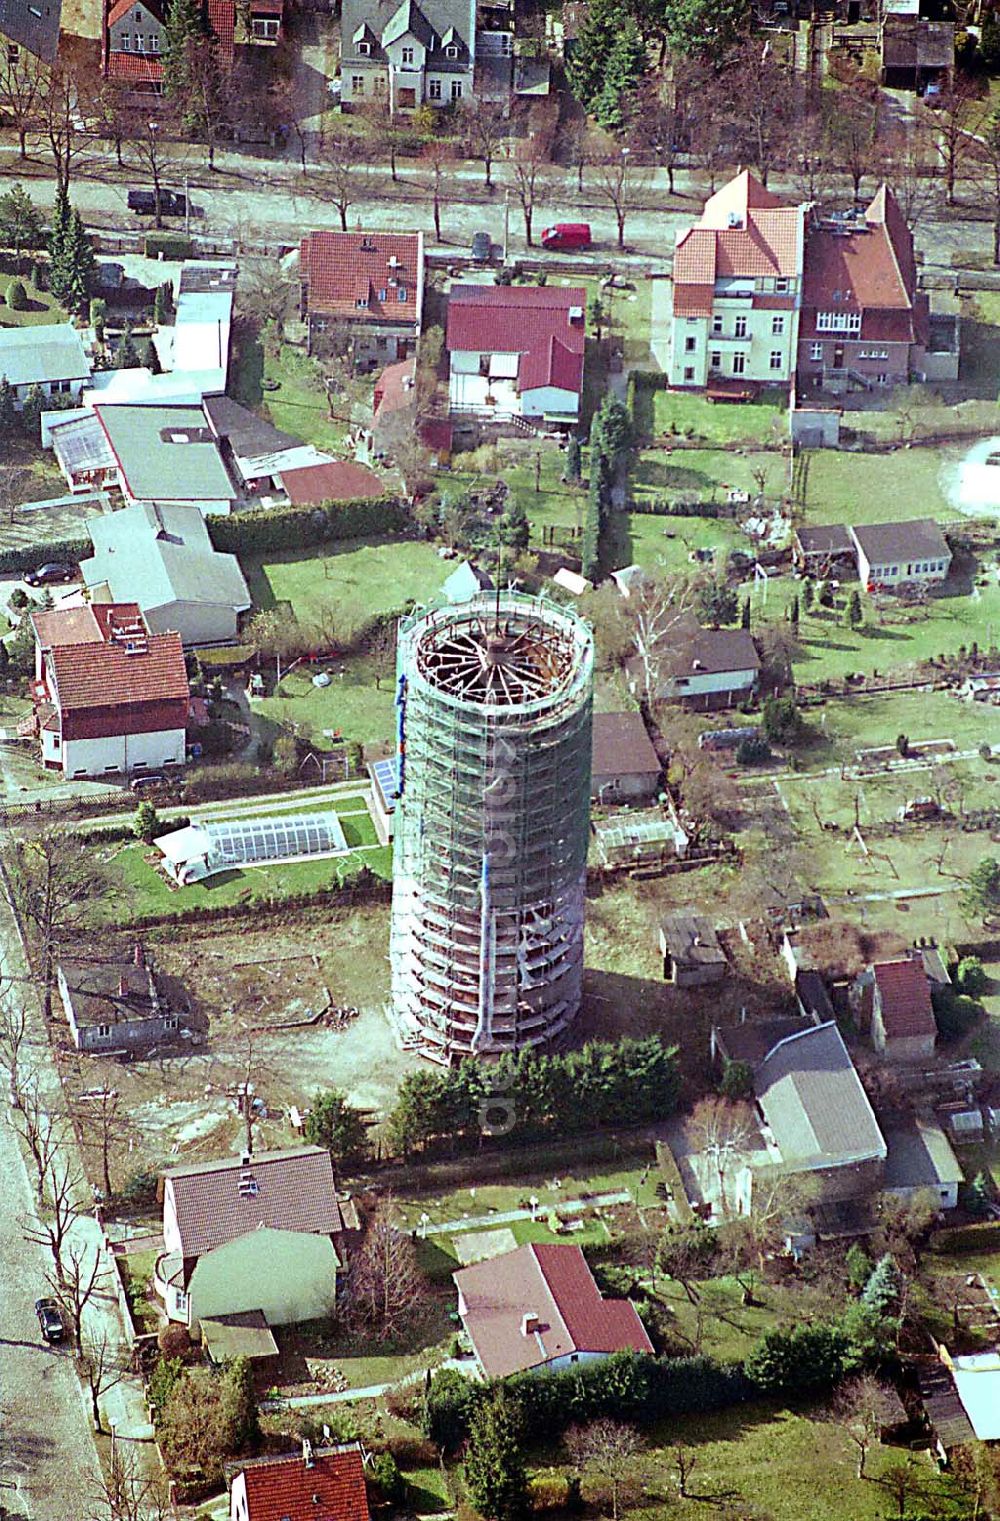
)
(697, 665)
(245, 1158)
(307, 1452)
(122, 985)
(696, 938)
(734, 219)
(529, 1323)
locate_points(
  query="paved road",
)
(255, 199)
(46, 1446)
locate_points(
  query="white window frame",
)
(434, 89)
(401, 293)
(406, 58)
(451, 51)
(776, 359)
(716, 324)
(740, 327)
(690, 345)
(715, 359)
(357, 84)
(364, 49)
(777, 326)
(739, 362)
(838, 322)
(815, 351)
(456, 89)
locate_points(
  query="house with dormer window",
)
(362, 293)
(407, 54)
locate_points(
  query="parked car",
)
(45, 575)
(564, 236)
(482, 247)
(50, 1320)
(172, 203)
(148, 782)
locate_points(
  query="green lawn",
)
(454, 1203)
(783, 1464)
(42, 306)
(351, 706)
(338, 587)
(761, 421)
(299, 405)
(135, 888)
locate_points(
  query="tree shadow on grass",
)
(659, 472)
(423, 1502)
(873, 631)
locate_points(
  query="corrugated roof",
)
(291, 1190)
(905, 996)
(33, 355)
(329, 1486)
(813, 1101)
(554, 1284)
(343, 268)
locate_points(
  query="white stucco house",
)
(405, 55)
(516, 351)
(252, 1232)
(707, 668)
(890, 555)
(539, 1308)
(51, 357)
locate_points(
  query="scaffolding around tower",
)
(494, 700)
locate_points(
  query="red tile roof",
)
(80, 625)
(555, 1285)
(533, 321)
(394, 387)
(330, 1487)
(291, 1191)
(137, 68)
(338, 480)
(122, 7)
(905, 996)
(869, 269)
(743, 230)
(222, 21)
(342, 268)
(693, 300)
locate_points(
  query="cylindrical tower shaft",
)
(494, 703)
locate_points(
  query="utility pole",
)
(187, 209)
(506, 223)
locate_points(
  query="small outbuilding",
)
(691, 951)
(624, 765)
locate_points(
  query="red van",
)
(566, 235)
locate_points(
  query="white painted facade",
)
(486, 384)
(116, 752)
(897, 572)
(739, 341)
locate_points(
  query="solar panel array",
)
(242, 842)
(386, 773)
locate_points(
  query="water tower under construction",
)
(494, 703)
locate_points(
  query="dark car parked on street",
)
(172, 203)
(50, 1320)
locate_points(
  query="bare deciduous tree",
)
(50, 887)
(685, 1460)
(654, 610)
(438, 154)
(619, 182)
(22, 84)
(606, 1448)
(102, 1124)
(861, 1407)
(79, 1277)
(63, 1189)
(722, 1131)
(41, 1134)
(383, 1281)
(102, 1367)
(66, 118)
(486, 123)
(267, 296)
(123, 1492)
(13, 1044)
(346, 173)
(529, 156)
(958, 118)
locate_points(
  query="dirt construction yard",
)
(243, 984)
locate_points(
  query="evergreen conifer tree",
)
(883, 1289)
(626, 64)
(183, 28)
(150, 358)
(8, 412)
(494, 1468)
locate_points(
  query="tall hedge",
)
(262, 530)
(628, 1386)
(628, 1082)
(30, 556)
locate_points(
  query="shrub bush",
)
(808, 1360)
(956, 1014)
(172, 245)
(17, 296)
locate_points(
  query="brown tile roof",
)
(713, 651)
(106, 675)
(905, 996)
(330, 1487)
(868, 269)
(222, 20)
(694, 259)
(692, 300)
(342, 268)
(289, 1190)
(336, 481)
(554, 1284)
(621, 746)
